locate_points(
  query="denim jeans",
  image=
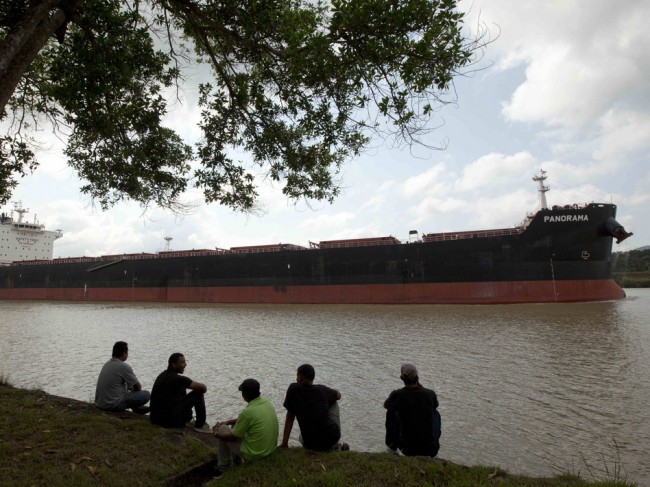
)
(133, 400)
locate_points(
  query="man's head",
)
(176, 363)
(121, 350)
(306, 374)
(250, 389)
(409, 374)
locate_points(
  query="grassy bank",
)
(632, 279)
(53, 441)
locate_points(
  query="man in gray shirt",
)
(117, 386)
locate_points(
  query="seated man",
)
(412, 418)
(118, 388)
(317, 410)
(171, 405)
(254, 434)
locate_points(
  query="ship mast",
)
(167, 244)
(541, 189)
(18, 208)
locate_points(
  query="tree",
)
(300, 85)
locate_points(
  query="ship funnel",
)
(541, 189)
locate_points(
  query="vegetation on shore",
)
(632, 279)
(54, 441)
(632, 269)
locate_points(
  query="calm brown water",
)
(536, 389)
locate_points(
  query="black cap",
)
(250, 387)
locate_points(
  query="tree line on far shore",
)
(632, 268)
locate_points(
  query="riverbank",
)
(56, 441)
(633, 279)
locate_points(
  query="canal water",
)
(535, 389)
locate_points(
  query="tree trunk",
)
(25, 40)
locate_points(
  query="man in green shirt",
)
(254, 434)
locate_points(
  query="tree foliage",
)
(631, 261)
(298, 86)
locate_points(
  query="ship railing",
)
(192, 253)
(440, 237)
(358, 242)
(256, 249)
(69, 260)
(143, 255)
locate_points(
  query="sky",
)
(564, 87)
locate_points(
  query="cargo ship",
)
(557, 254)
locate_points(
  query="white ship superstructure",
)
(22, 240)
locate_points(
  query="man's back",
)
(257, 425)
(168, 390)
(311, 404)
(416, 410)
(114, 379)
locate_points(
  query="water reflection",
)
(539, 389)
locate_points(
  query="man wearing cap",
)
(317, 410)
(412, 418)
(117, 386)
(171, 405)
(254, 433)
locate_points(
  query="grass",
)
(295, 468)
(52, 441)
(47, 440)
(632, 279)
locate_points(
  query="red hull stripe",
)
(431, 293)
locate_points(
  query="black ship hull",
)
(561, 255)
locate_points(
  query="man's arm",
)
(224, 436)
(288, 425)
(128, 376)
(198, 387)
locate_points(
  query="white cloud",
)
(430, 208)
(422, 183)
(623, 132)
(581, 56)
(500, 211)
(328, 222)
(495, 169)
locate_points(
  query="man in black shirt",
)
(412, 418)
(317, 411)
(171, 406)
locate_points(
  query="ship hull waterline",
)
(501, 292)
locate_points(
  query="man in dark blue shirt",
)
(412, 418)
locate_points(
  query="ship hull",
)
(509, 292)
(563, 255)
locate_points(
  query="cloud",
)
(581, 56)
(430, 207)
(422, 183)
(325, 222)
(500, 211)
(623, 132)
(495, 169)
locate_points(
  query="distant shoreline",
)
(633, 279)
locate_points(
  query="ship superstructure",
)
(21, 240)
